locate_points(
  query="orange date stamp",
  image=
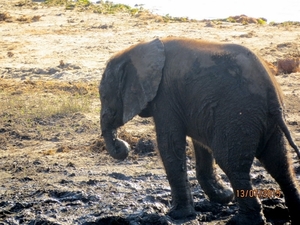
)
(259, 193)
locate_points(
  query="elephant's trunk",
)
(117, 148)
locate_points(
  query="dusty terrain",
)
(54, 169)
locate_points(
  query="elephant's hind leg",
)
(275, 159)
(235, 159)
(208, 179)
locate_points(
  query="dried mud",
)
(58, 172)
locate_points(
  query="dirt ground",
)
(57, 170)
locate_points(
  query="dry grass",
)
(28, 102)
(35, 106)
(6, 17)
(11, 86)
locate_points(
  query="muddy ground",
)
(55, 170)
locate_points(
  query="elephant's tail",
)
(287, 134)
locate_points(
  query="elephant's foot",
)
(182, 212)
(295, 219)
(222, 196)
(294, 211)
(295, 222)
(247, 219)
(217, 191)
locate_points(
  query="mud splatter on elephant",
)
(220, 95)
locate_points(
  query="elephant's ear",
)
(142, 76)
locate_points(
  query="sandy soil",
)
(66, 177)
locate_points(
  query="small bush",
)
(243, 19)
(288, 66)
(168, 18)
(5, 16)
(56, 2)
(261, 21)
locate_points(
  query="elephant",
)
(224, 98)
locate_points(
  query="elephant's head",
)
(129, 82)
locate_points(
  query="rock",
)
(144, 146)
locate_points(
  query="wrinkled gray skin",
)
(221, 96)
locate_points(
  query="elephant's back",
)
(228, 66)
(214, 78)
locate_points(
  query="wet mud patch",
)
(86, 187)
(276, 211)
(144, 218)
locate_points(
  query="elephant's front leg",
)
(208, 179)
(171, 144)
